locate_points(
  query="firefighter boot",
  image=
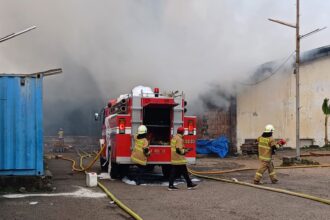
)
(172, 188)
(257, 178)
(274, 181)
(192, 186)
(272, 176)
(258, 182)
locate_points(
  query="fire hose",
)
(198, 174)
(89, 165)
(109, 194)
(302, 195)
(246, 169)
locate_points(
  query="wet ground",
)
(211, 200)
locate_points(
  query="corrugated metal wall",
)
(21, 131)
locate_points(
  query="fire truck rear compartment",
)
(158, 121)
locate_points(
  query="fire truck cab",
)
(161, 113)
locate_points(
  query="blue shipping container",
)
(21, 131)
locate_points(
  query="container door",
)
(21, 148)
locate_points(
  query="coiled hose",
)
(81, 157)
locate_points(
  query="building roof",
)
(314, 54)
(38, 74)
(268, 69)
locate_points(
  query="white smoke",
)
(107, 47)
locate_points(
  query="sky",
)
(107, 47)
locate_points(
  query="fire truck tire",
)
(114, 172)
(150, 167)
(123, 170)
(166, 169)
(118, 171)
(104, 164)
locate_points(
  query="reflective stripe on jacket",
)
(265, 148)
(177, 143)
(137, 155)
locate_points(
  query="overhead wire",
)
(271, 74)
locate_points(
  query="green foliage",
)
(326, 107)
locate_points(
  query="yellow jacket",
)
(177, 150)
(265, 148)
(137, 155)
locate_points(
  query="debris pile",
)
(293, 161)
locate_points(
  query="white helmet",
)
(269, 128)
(142, 129)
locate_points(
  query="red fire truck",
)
(162, 113)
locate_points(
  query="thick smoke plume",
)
(107, 47)
(217, 97)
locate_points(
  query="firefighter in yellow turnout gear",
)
(141, 151)
(266, 144)
(178, 161)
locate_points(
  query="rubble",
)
(292, 161)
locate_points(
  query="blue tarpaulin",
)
(218, 146)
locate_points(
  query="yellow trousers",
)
(266, 165)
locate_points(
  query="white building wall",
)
(273, 102)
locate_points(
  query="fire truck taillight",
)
(122, 126)
(190, 127)
(156, 92)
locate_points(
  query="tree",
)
(326, 111)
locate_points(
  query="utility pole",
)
(297, 82)
(296, 71)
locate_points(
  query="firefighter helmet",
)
(180, 130)
(269, 128)
(142, 129)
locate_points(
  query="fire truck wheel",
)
(118, 171)
(104, 164)
(166, 169)
(123, 170)
(114, 172)
(150, 167)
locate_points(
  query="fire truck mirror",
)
(96, 116)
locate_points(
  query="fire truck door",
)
(136, 117)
